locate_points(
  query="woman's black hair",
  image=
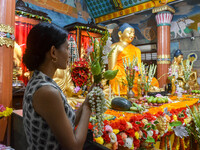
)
(177, 53)
(39, 41)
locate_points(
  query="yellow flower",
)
(108, 145)
(187, 120)
(116, 131)
(145, 121)
(175, 117)
(137, 135)
(130, 126)
(132, 146)
(1, 114)
(7, 112)
(170, 128)
(99, 140)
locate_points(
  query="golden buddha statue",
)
(64, 80)
(173, 85)
(124, 49)
(177, 66)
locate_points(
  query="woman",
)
(48, 119)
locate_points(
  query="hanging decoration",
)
(73, 50)
(29, 15)
(93, 29)
(6, 35)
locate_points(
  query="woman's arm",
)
(86, 104)
(48, 103)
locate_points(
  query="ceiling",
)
(103, 10)
(99, 8)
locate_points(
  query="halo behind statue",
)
(192, 57)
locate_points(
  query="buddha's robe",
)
(120, 80)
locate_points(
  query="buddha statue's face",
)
(179, 59)
(128, 35)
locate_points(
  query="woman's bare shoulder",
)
(46, 93)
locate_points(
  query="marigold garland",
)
(145, 125)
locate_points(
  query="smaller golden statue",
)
(178, 66)
(173, 81)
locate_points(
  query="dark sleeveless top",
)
(39, 135)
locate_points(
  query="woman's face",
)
(63, 56)
(128, 35)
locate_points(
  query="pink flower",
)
(2, 108)
(158, 95)
(136, 68)
(77, 88)
(108, 128)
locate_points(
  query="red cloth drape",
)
(22, 27)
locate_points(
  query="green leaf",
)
(175, 123)
(145, 126)
(150, 140)
(149, 129)
(137, 122)
(153, 127)
(156, 122)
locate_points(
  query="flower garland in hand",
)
(98, 108)
(80, 72)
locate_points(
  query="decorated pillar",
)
(163, 18)
(7, 22)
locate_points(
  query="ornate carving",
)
(6, 41)
(163, 56)
(163, 62)
(164, 18)
(6, 28)
(6, 35)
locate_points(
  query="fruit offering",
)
(137, 108)
(157, 101)
(195, 92)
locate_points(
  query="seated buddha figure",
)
(177, 69)
(64, 80)
(176, 65)
(124, 50)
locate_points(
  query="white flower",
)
(128, 142)
(105, 59)
(150, 133)
(113, 137)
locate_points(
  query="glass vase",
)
(187, 87)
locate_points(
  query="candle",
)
(119, 89)
(110, 91)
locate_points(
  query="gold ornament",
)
(4, 40)
(163, 56)
(6, 28)
(163, 62)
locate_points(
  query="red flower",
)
(90, 126)
(120, 140)
(130, 132)
(136, 142)
(106, 137)
(80, 72)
